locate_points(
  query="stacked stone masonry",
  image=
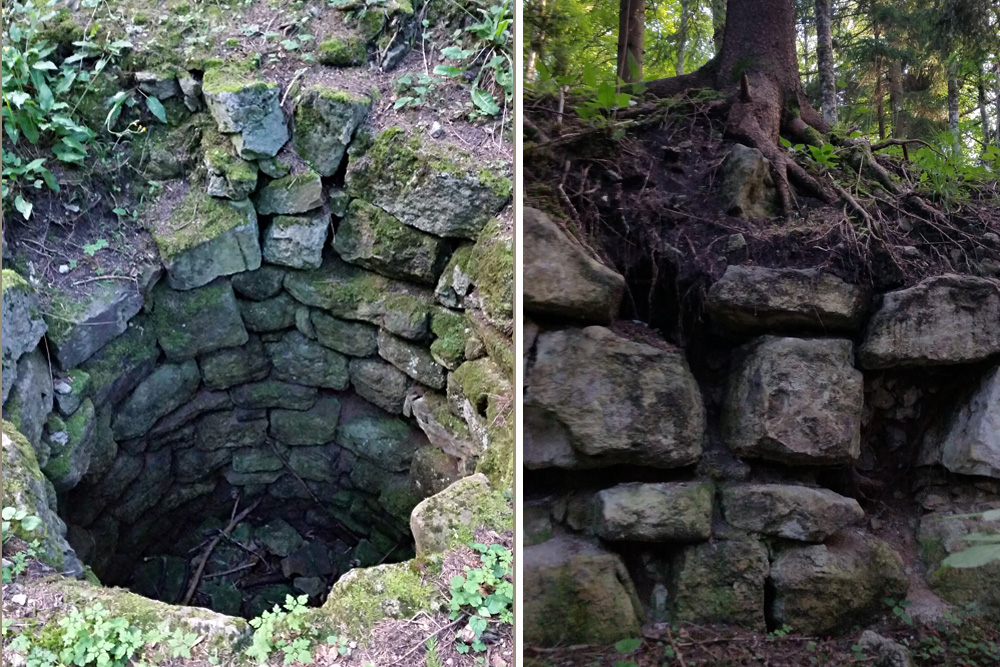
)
(311, 344)
(661, 488)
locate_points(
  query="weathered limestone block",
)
(432, 471)
(292, 194)
(30, 401)
(384, 441)
(71, 389)
(620, 401)
(584, 586)
(24, 487)
(235, 365)
(204, 401)
(82, 325)
(431, 187)
(720, 582)
(793, 512)
(204, 238)
(940, 535)
(942, 320)
(380, 383)
(376, 240)
(455, 282)
(354, 338)
(268, 315)
(824, 588)
(968, 441)
(273, 394)
(23, 325)
(561, 279)
(670, 512)
(444, 430)
(160, 86)
(297, 359)
(166, 389)
(412, 359)
(189, 324)
(351, 293)
(449, 518)
(256, 459)
(317, 464)
(224, 430)
(325, 121)
(120, 365)
(746, 188)
(754, 299)
(315, 426)
(247, 109)
(229, 176)
(261, 284)
(297, 240)
(67, 464)
(147, 489)
(795, 401)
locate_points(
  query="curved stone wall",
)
(322, 336)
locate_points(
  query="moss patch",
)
(199, 218)
(342, 52)
(492, 269)
(13, 281)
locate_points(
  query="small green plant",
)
(91, 248)
(283, 629)
(485, 593)
(41, 95)
(489, 55)
(899, 609)
(624, 648)
(413, 90)
(778, 633)
(28, 523)
(431, 658)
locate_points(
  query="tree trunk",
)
(896, 96)
(682, 35)
(631, 35)
(996, 99)
(824, 58)
(759, 67)
(953, 89)
(984, 114)
(718, 22)
(879, 98)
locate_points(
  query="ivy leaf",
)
(455, 53)
(627, 645)
(23, 207)
(485, 101)
(156, 108)
(45, 65)
(448, 70)
(18, 97)
(402, 102)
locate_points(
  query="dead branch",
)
(235, 521)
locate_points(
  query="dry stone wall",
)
(790, 467)
(335, 347)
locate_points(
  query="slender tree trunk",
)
(984, 114)
(879, 101)
(682, 35)
(896, 96)
(996, 99)
(718, 23)
(824, 58)
(953, 89)
(631, 36)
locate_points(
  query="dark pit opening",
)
(276, 513)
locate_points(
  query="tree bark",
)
(896, 96)
(631, 37)
(759, 67)
(984, 114)
(718, 23)
(682, 35)
(824, 58)
(953, 88)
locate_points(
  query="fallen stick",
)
(211, 547)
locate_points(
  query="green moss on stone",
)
(233, 77)
(492, 269)
(451, 332)
(342, 52)
(13, 281)
(366, 596)
(197, 219)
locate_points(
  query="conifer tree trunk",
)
(984, 114)
(896, 96)
(824, 57)
(631, 38)
(718, 22)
